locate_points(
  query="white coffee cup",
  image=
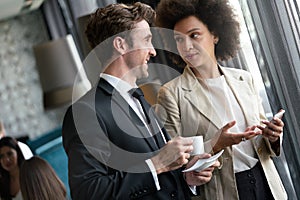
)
(198, 145)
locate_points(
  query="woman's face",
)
(195, 43)
(8, 158)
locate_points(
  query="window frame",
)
(275, 47)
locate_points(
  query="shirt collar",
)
(120, 85)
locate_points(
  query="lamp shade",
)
(61, 73)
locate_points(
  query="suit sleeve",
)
(89, 155)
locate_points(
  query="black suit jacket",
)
(107, 146)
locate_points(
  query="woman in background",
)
(39, 181)
(26, 151)
(207, 96)
(11, 159)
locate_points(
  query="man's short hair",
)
(114, 19)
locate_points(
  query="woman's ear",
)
(120, 45)
(216, 39)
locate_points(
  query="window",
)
(273, 28)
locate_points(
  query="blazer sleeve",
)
(169, 111)
(274, 148)
(89, 176)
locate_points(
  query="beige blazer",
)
(187, 111)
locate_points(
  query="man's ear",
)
(120, 45)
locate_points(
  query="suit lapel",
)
(198, 96)
(118, 100)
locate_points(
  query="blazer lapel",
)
(198, 96)
(237, 83)
(118, 100)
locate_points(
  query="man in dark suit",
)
(115, 146)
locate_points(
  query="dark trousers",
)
(252, 184)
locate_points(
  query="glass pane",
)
(265, 31)
(251, 59)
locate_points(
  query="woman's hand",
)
(272, 129)
(227, 138)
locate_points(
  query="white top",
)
(228, 109)
(27, 153)
(18, 196)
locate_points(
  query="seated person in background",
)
(39, 181)
(11, 159)
(27, 153)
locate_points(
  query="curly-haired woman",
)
(220, 103)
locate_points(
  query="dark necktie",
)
(149, 114)
(139, 95)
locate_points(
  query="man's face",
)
(140, 51)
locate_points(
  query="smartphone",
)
(278, 115)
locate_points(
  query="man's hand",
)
(173, 155)
(195, 178)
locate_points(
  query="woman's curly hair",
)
(217, 15)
